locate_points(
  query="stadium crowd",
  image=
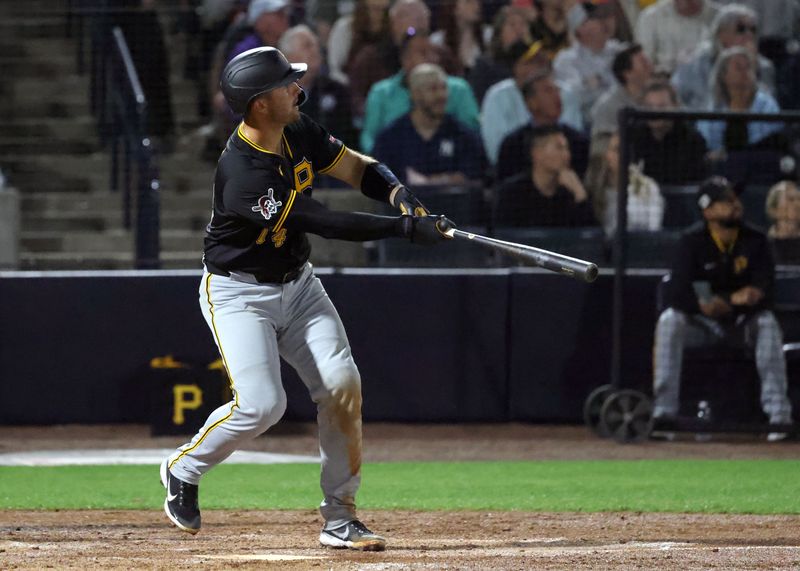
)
(521, 97)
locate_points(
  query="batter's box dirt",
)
(417, 540)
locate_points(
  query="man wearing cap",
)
(269, 20)
(721, 290)
(504, 109)
(259, 295)
(586, 66)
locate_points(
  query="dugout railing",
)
(753, 170)
(120, 107)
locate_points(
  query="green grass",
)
(712, 486)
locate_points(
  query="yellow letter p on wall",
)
(186, 397)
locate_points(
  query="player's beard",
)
(732, 221)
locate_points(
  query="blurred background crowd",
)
(523, 96)
(503, 113)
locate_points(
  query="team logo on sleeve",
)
(267, 205)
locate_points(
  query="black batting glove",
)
(405, 200)
(427, 230)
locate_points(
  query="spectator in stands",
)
(427, 146)
(504, 109)
(673, 152)
(734, 87)
(783, 210)
(550, 194)
(734, 25)
(269, 20)
(543, 99)
(263, 25)
(328, 101)
(510, 28)
(779, 29)
(322, 15)
(623, 16)
(645, 204)
(366, 26)
(779, 20)
(462, 30)
(550, 26)
(389, 99)
(670, 30)
(585, 67)
(378, 61)
(721, 292)
(632, 70)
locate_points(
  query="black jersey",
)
(699, 258)
(254, 194)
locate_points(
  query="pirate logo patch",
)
(267, 205)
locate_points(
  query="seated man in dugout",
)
(721, 292)
(783, 211)
(549, 193)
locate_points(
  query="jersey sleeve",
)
(265, 200)
(326, 150)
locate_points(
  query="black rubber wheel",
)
(627, 416)
(591, 408)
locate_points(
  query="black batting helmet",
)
(255, 72)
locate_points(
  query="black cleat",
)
(353, 535)
(181, 504)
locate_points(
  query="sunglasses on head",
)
(741, 28)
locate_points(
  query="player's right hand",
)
(427, 230)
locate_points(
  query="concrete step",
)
(25, 66)
(49, 106)
(103, 260)
(32, 173)
(194, 202)
(63, 85)
(11, 144)
(81, 127)
(33, 8)
(117, 240)
(71, 221)
(52, 24)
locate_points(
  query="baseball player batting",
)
(261, 299)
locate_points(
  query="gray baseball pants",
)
(253, 325)
(676, 330)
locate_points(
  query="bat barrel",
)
(572, 267)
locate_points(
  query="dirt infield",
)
(418, 540)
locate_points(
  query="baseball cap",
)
(713, 189)
(583, 11)
(258, 7)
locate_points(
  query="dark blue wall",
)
(431, 346)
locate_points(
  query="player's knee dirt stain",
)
(347, 414)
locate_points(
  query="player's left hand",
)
(427, 230)
(409, 204)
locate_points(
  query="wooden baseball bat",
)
(572, 267)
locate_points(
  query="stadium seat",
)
(584, 243)
(651, 249)
(394, 253)
(680, 206)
